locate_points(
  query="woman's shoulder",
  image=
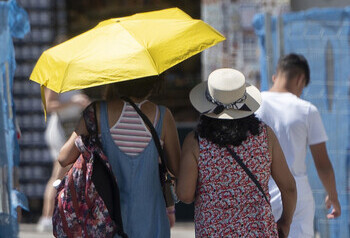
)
(191, 140)
(270, 134)
(157, 105)
(162, 108)
(264, 128)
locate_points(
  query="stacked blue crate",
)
(13, 23)
(321, 35)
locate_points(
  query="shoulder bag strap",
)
(165, 177)
(249, 173)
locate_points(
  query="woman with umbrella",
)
(118, 50)
(128, 144)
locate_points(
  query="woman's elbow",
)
(62, 162)
(184, 197)
(63, 157)
(291, 189)
(174, 171)
(187, 200)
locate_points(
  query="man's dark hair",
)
(293, 65)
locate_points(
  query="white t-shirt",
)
(296, 123)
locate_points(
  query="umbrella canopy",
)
(124, 48)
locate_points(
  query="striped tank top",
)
(130, 133)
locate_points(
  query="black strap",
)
(91, 124)
(250, 174)
(153, 132)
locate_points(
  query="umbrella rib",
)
(149, 55)
(64, 75)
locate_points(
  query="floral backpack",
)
(87, 202)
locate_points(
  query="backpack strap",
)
(249, 173)
(89, 115)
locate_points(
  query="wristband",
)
(171, 211)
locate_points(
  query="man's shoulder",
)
(304, 102)
(285, 98)
(311, 108)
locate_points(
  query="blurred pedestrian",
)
(65, 110)
(133, 156)
(227, 162)
(297, 124)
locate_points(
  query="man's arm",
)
(326, 173)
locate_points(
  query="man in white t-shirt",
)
(297, 124)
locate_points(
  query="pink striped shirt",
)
(130, 133)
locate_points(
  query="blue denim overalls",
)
(141, 198)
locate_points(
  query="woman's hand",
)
(283, 228)
(170, 211)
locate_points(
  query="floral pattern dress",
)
(228, 203)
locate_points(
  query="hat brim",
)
(201, 104)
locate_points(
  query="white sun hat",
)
(225, 95)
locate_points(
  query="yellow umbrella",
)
(124, 48)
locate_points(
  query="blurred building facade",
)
(234, 20)
(298, 5)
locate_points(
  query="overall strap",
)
(159, 125)
(249, 173)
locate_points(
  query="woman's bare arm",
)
(69, 152)
(187, 180)
(285, 182)
(171, 143)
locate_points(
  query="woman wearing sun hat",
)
(227, 161)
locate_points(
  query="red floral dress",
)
(228, 203)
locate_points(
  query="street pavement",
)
(181, 230)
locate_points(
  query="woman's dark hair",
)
(227, 132)
(138, 88)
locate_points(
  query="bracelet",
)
(171, 211)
